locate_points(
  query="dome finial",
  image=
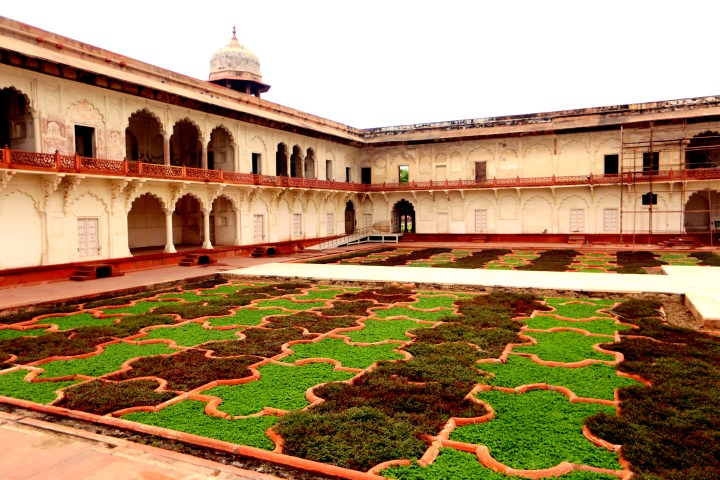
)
(234, 32)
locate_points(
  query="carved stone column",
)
(169, 247)
(206, 230)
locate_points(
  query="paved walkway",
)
(34, 450)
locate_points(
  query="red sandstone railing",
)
(19, 160)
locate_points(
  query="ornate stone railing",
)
(19, 160)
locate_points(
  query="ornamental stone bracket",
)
(214, 192)
(176, 191)
(50, 185)
(132, 189)
(70, 184)
(5, 177)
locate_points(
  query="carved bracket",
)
(5, 177)
(70, 184)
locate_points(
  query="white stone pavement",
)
(700, 285)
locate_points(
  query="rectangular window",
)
(259, 228)
(85, 141)
(88, 242)
(365, 175)
(347, 174)
(404, 174)
(481, 220)
(611, 164)
(256, 162)
(651, 162)
(297, 225)
(610, 220)
(330, 219)
(649, 198)
(480, 171)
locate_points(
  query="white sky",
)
(374, 63)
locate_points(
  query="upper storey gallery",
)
(60, 95)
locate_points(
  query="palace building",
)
(106, 157)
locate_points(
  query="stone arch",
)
(509, 160)
(88, 193)
(350, 217)
(703, 151)
(188, 221)
(163, 205)
(281, 160)
(17, 130)
(144, 139)
(296, 162)
(402, 217)
(221, 150)
(573, 214)
(186, 144)
(310, 163)
(223, 221)
(537, 214)
(146, 222)
(697, 212)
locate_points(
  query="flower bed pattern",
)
(389, 381)
(544, 260)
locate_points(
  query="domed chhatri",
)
(236, 67)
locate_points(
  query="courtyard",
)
(400, 373)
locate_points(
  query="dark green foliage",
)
(188, 369)
(31, 349)
(670, 430)
(408, 257)
(124, 300)
(312, 322)
(205, 283)
(476, 260)
(345, 256)
(386, 294)
(101, 397)
(29, 314)
(633, 262)
(129, 325)
(393, 401)
(343, 308)
(551, 261)
(635, 309)
(364, 437)
(258, 341)
(707, 258)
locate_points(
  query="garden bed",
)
(389, 380)
(641, 262)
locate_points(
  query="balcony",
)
(49, 162)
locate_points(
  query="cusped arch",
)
(163, 205)
(148, 112)
(197, 197)
(192, 122)
(233, 202)
(224, 128)
(88, 193)
(85, 111)
(13, 89)
(37, 203)
(571, 198)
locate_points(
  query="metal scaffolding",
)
(663, 160)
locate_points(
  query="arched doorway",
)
(16, 125)
(310, 163)
(223, 229)
(143, 140)
(349, 218)
(281, 158)
(221, 155)
(403, 217)
(296, 162)
(185, 148)
(697, 213)
(146, 224)
(703, 151)
(188, 222)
